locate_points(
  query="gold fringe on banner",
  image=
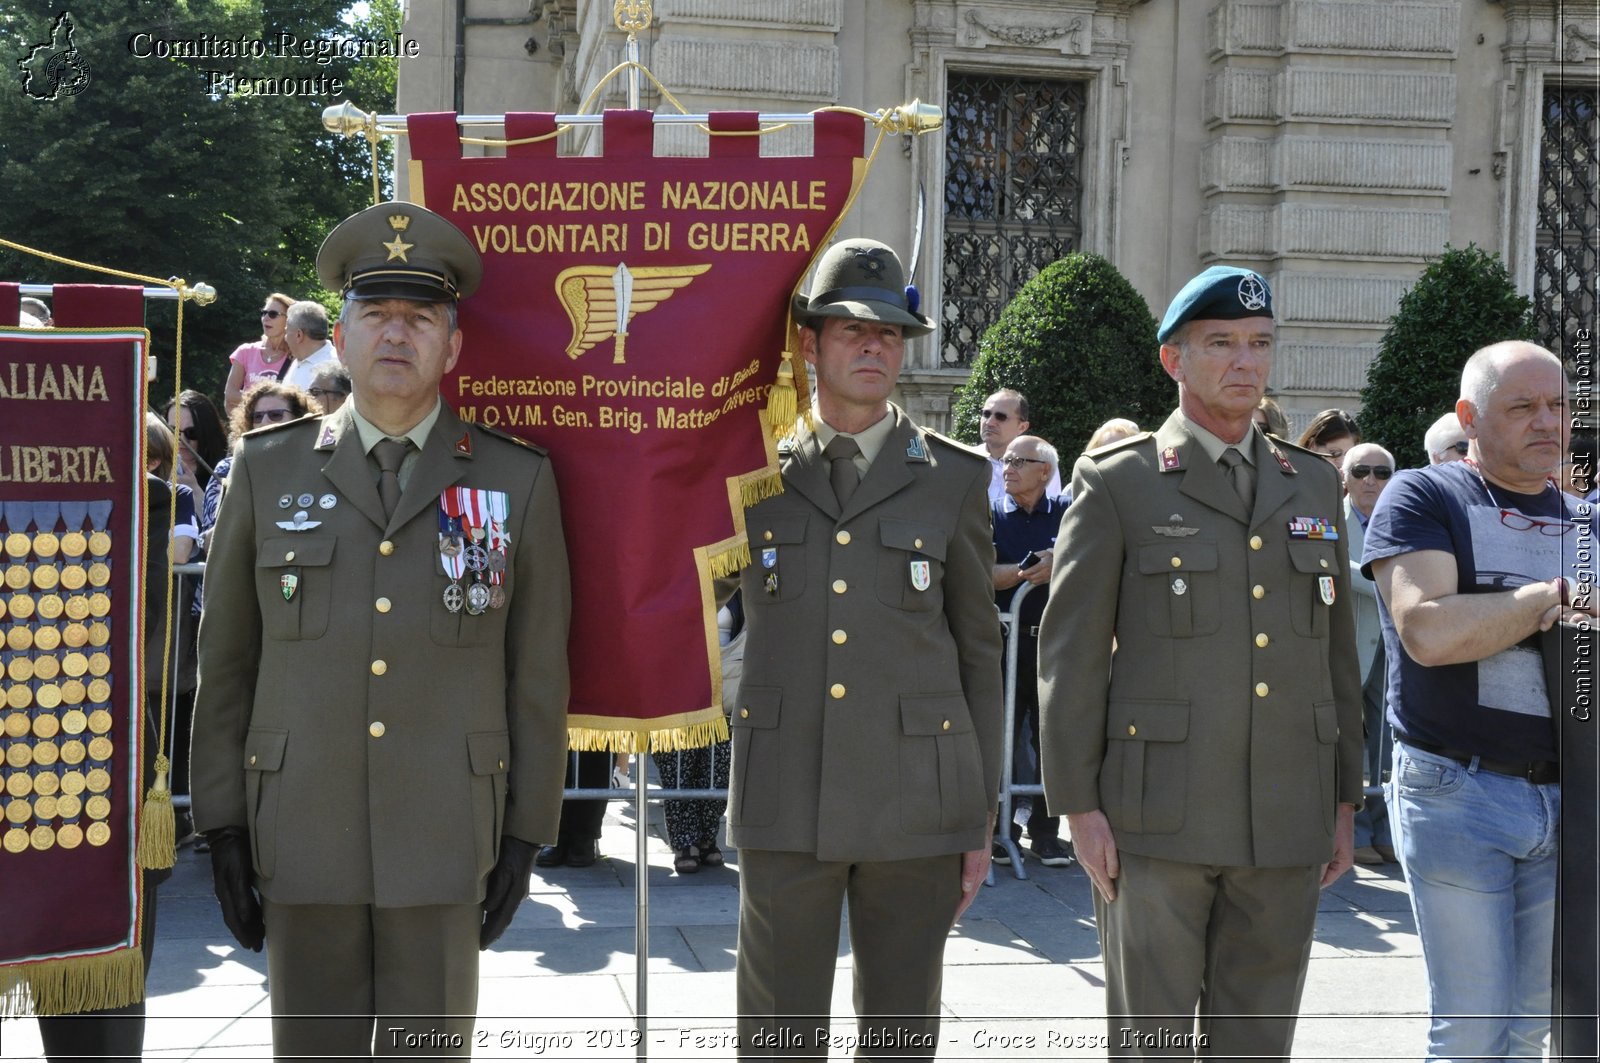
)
(689, 735)
(728, 562)
(158, 834)
(753, 490)
(73, 984)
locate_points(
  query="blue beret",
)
(1221, 293)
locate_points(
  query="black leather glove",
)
(232, 877)
(508, 888)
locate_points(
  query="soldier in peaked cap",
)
(866, 737)
(380, 731)
(1201, 707)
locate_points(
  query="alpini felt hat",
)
(399, 251)
(1221, 293)
(861, 279)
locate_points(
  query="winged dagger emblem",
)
(592, 296)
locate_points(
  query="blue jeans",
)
(1479, 850)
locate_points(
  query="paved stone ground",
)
(1023, 973)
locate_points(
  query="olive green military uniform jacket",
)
(1225, 727)
(376, 744)
(868, 722)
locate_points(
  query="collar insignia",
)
(1170, 460)
(464, 445)
(915, 450)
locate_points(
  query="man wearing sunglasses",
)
(1367, 470)
(1003, 418)
(1473, 559)
(1445, 441)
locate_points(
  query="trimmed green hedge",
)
(1080, 343)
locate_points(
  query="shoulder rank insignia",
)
(326, 437)
(1283, 462)
(915, 450)
(1170, 459)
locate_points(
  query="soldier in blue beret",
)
(1199, 693)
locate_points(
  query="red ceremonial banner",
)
(631, 319)
(72, 544)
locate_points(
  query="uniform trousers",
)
(901, 912)
(1230, 941)
(337, 971)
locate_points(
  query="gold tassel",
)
(728, 562)
(158, 841)
(781, 399)
(73, 984)
(753, 491)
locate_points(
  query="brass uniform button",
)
(386, 548)
(1177, 562)
(839, 637)
(842, 538)
(766, 536)
(379, 667)
(1261, 640)
(502, 764)
(1255, 542)
(376, 729)
(289, 556)
(946, 725)
(1132, 730)
(840, 586)
(917, 543)
(1323, 562)
(1258, 591)
(382, 605)
(744, 714)
(837, 690)
(1261, 690)
(252, 758)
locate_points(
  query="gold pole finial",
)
(347, 120)
(632, 16)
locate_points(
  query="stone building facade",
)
(1333, 145)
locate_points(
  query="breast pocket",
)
(911, 565)
(294, 586)
(777, 557)
(1315, 565)
(1180, 588)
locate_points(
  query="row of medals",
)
(50, 794)
(478, 595)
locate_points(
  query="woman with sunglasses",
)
(197, 427)
(266, 359)
(264, 404)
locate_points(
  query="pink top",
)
(252, 356)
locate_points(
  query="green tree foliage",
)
(1464, 300)
(153, 169)
(1080, 343)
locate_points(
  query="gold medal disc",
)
(72, 751)
(99, 633)
(45, 544)
(99, 544)
(70, 836)
(100, 748)
(78, 607)
(17, 725)
(69, 806)
(99, 664)
(17, 544)
(98, 834)
(42, 838)
(72, 782)
(45, 725)
(99, 574)
(74, 722)
(19, 784)
(99, 721)
(46, 783)
(16, 840)
(72, 692)
(44, 807)
(18, 577)
(98, 806)
(45, 754)
(48, 696)
(46, 577)
(20, 669)
(75, 664)
(47, 638)
(75, 635)
(18, 810)
(73, 577)
(99, 691)
(99, 780)
(19, 638)
(20, 606)
(46, 667)
(73, 544)
(19, 756)
(19, 696)
(51, 607)
(99, 604)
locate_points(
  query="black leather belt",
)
(1535, 771)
